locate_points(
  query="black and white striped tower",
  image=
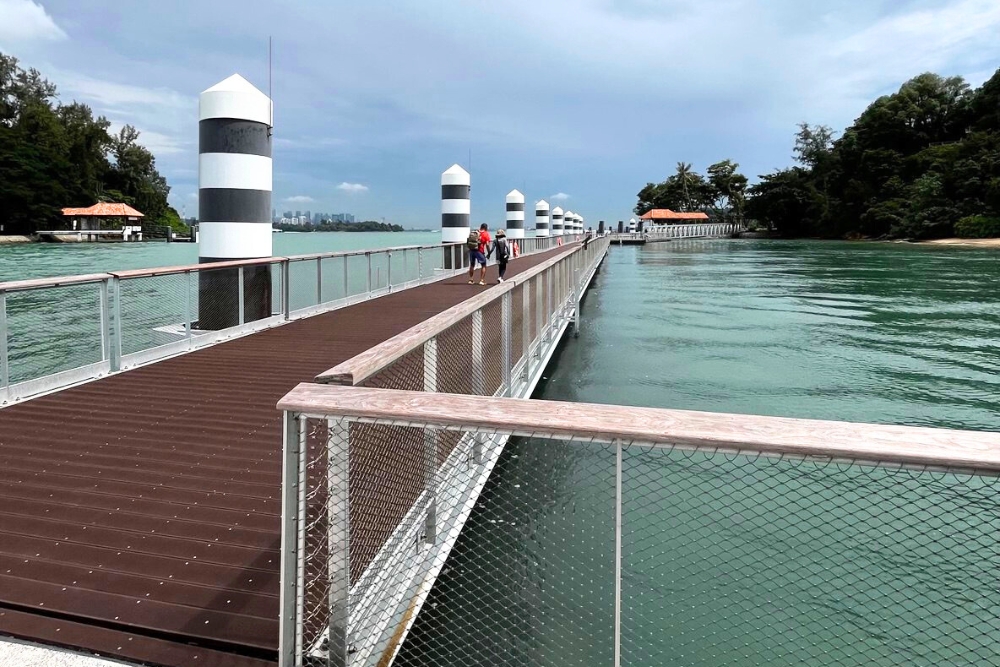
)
(542, 218)
(557, 221)
(581, 226)
(456, 208)
(234, 201)
(515, 215)
(569, 223)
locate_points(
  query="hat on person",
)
(501, 232)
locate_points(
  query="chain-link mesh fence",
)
(725, 558)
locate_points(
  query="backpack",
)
(473, 242)
(503, 251)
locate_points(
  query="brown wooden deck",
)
(139, 514)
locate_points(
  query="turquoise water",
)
(735, 560)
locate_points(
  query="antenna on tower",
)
(270, 99)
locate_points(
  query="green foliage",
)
(912, 165)
(55, 155)
(978, 227)
(722, 194)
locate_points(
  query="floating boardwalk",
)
(140, 513)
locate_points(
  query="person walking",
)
(477, 253)
(502, 250)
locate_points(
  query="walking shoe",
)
(499, 280)
(482, 282)
(471, 282)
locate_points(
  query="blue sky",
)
(577, 101)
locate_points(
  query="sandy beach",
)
(979, 243)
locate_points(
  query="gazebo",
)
(87, 223)
(664, 216)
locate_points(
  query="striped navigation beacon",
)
(515, 215)
(542, 218)
(234, 201)
(456, 207)
(569, 223)
(557, 221)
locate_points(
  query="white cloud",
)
(113, 95)
(560, 196)
(299, 199)
(352, 187)
(26, 21)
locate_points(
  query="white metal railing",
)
(495, 344)
(632, 536)
(55, 332)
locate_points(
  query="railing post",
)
(526, 330)
(339, 539)
(618, 553)
(4, 352)
(576, 303)
(506, 328)
(105, 317)
(420, 265)
(478, 377)
(388, 273)
(286, 289)
(292, 523)
(430, 446)
(368, 255)
(242, 297)
(188, 314)
(116, 332)
(319, 280)
(346, 281)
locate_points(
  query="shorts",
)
(476, 257)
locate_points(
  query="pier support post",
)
(430, 446)
(4, 354)
(542, 219)
(234, 200)
(292, 525)
(456, 208)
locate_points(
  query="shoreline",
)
(974, 243)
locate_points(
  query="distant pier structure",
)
(456, 209)
(234, 201)
(542, 218)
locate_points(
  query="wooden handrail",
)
(59, 281)
(364, 365)
(874, 443)
(186, 268)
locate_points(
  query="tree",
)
(54, 155)
(727, 190)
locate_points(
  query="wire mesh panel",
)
(333, 279)
(305, 282)
(731, 560)
(53, 330)
(379, 270)
(157, 310)
(357, 274)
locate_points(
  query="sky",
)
(579, 102)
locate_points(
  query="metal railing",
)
(60, 331)
(495, 344)
(701, 230)
(609, 535)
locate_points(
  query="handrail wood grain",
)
(58, 281)
(372, 360)
(874, 443)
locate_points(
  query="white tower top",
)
(515, 197)
(455, 175)
(235, 98)
(542, 205)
